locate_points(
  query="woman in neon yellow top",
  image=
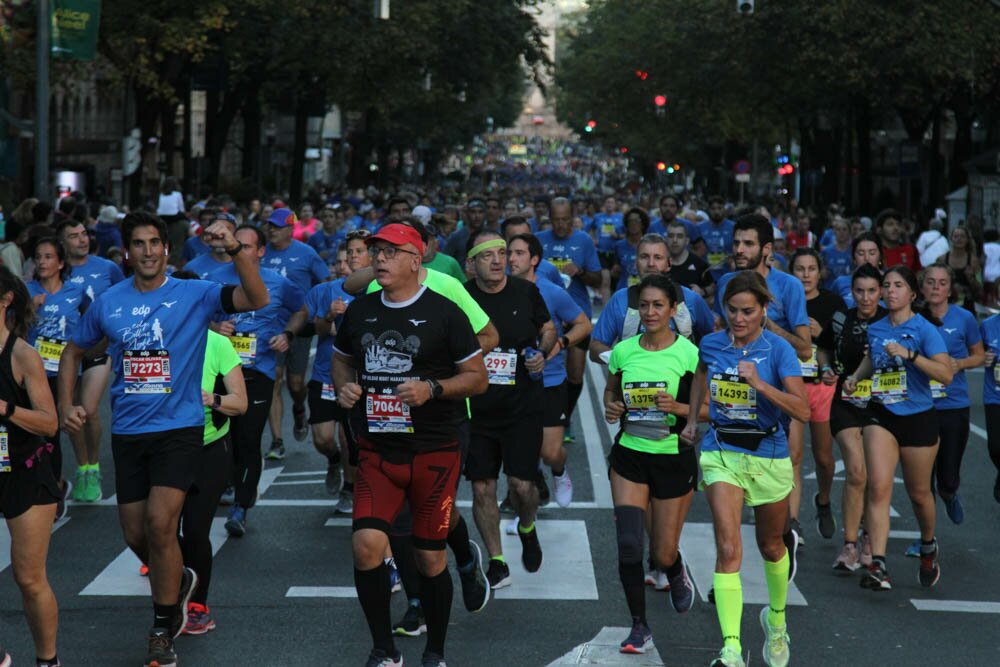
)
(650, 377)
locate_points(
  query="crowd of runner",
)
(449, 338)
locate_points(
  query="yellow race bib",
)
(245, 345)
(733, 398)
(889, 386)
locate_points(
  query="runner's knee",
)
(629, 527)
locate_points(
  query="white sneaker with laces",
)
(564, 488)
(658, 580)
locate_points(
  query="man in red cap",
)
(404, 359)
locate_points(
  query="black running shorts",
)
(167, 458)
(667, 475)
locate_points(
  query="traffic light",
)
(744, 7)
(661, 166)
(591, 124)
(642, 74)
(660, 100)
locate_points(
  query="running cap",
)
(422, 213)
(281, 217)
(398, 234)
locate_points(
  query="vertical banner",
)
(74, 28)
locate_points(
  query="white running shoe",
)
(564, 488)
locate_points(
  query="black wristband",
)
(216, 401)
(564, 341)
(11, 406)
(289, 335)
(913, 355)
(232, 252)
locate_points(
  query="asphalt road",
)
(283, 595)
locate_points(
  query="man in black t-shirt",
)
(507, 422)
(687, 268)
(404, 358)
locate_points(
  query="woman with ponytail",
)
(28, 488)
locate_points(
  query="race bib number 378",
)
(146, 371)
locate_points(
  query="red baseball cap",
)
(398, 234)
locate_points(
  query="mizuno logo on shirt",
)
(950, 331)
(95, 276)
(293, 259)
(757, 360)
(169, 304)
(71, 300)
(371, 319)
(417, 323)
(574, 247)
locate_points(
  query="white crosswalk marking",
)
(121, 576)
(698, 546)
(567, 571)
(5, 542)
(603, 650)
(962, 606)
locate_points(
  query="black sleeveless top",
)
(21, 444)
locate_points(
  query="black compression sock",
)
(458, 540)
(163, 614)
(436, 598)
(631, 576)
(574, 395)
(406, 564)
(675, 569)
(373, 593)
(349, 486)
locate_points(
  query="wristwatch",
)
(436, 388)
(912, 356)
(232, 252)
(564, 341)
(216, 401)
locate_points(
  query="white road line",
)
(962, 606)
(977, 431)
(298, 482)
(904, 534)
(698, 546)
(306, 473)
(321, 592)
(338, 523)
(567, 571)
(121, 577)
(332, 502)
(595, 449)
(5, 541)
(603, 650)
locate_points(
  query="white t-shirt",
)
(171, 204)
(991, 269)
(931, 245)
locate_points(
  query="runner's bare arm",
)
(345, 380)
(359, 280)
(234, 401)
(40, 418)
(488, 338)
(801, 340)
(251, 293)
(297, 321)
(71, 417)
(469, 380)
(699, 392)
(547, 337)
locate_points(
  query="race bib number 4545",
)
(146, 371)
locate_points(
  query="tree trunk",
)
(961, 151)
(250, 167)
(935, 195)
(186, 140)
(863, 132)
(298, 153)
(217, 123)
(168, 136)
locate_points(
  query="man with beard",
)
(889, 227)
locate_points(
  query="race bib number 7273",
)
(146, 371)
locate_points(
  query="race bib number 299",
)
(146, 371)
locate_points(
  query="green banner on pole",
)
(74, 28)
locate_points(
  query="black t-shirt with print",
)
(518, 313)
(690, 272)
(391, 343)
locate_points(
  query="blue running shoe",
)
(236, 525)
(639, 640)
(913, 551)
(395, 581)
(953, 506)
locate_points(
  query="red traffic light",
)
(592, 124)
(641, 74)
(660, 100)
(661, 166)
(624, 149)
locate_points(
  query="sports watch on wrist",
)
(436, 388)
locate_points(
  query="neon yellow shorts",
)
(764, 481)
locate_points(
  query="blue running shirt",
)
(897, 384)
(55, 321)
(318, 305)
(960, 332)
(577, 248)
(157, 346)
(95, 276)
(562, 309)
(299, 263)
